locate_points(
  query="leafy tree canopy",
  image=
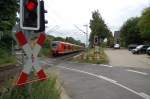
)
(144, 24)
(7, 14)
(8, 9)
(98, 27)
(130, 33)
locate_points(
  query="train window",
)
(54, 45)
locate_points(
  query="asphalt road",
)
(124, 58)
(91, 81)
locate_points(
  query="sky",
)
(64, 15)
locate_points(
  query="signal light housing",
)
(42, 17)
(30, 14)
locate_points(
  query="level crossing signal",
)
(30, 14)
(95, 40)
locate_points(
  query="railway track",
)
(7, 72)
(60, 59)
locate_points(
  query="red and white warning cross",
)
(32, 61)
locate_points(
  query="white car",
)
(117, 46)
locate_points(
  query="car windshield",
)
(140, 46)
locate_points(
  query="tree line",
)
(66, 39)
(136, 30)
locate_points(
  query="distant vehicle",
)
(116, 46)
(140, 49)
(60, 48)
(148, 51)
(132, 46)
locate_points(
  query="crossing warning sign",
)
(32, 60)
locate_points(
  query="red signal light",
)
(31, 5)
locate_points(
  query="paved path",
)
(124, 58)
(92, 81)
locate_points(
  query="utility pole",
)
(84, 33)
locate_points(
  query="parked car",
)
(148, 51)
(116, 46)
(132, 46)
(140, 49)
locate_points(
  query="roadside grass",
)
(91, 57)
(45, 52)
(46, 89)
(6, 58)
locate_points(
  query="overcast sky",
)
(64, 14)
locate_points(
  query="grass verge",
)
(45, 52)
(95, 58)
(39, 90)
(6, 58)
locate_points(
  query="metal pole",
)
(86, 34)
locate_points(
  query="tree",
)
(130, 33)
(8, 14)
(58, 39)
(110, 40)
(73, 41)
(144, 24)
(98, 27)
(8, 9)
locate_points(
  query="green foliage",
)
(8, 9)
(38, 90)
(6, 41)
(98, 27)
(6, 57)
(144, 24)
(130, 33)
(110, 40)
(58, 39)
(7, 14)
(73, 41)
(46, 50)
(91, 57)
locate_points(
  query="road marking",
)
(101, 65)
(105, 65)
(141, 94)
(145, 95)
(98, 76)
(143, 73)
(45, 63)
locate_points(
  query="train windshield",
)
(54, 45)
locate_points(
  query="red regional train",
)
(60, 48)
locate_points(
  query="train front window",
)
(54, 45)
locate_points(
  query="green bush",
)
(38, 90)
(6, 57)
